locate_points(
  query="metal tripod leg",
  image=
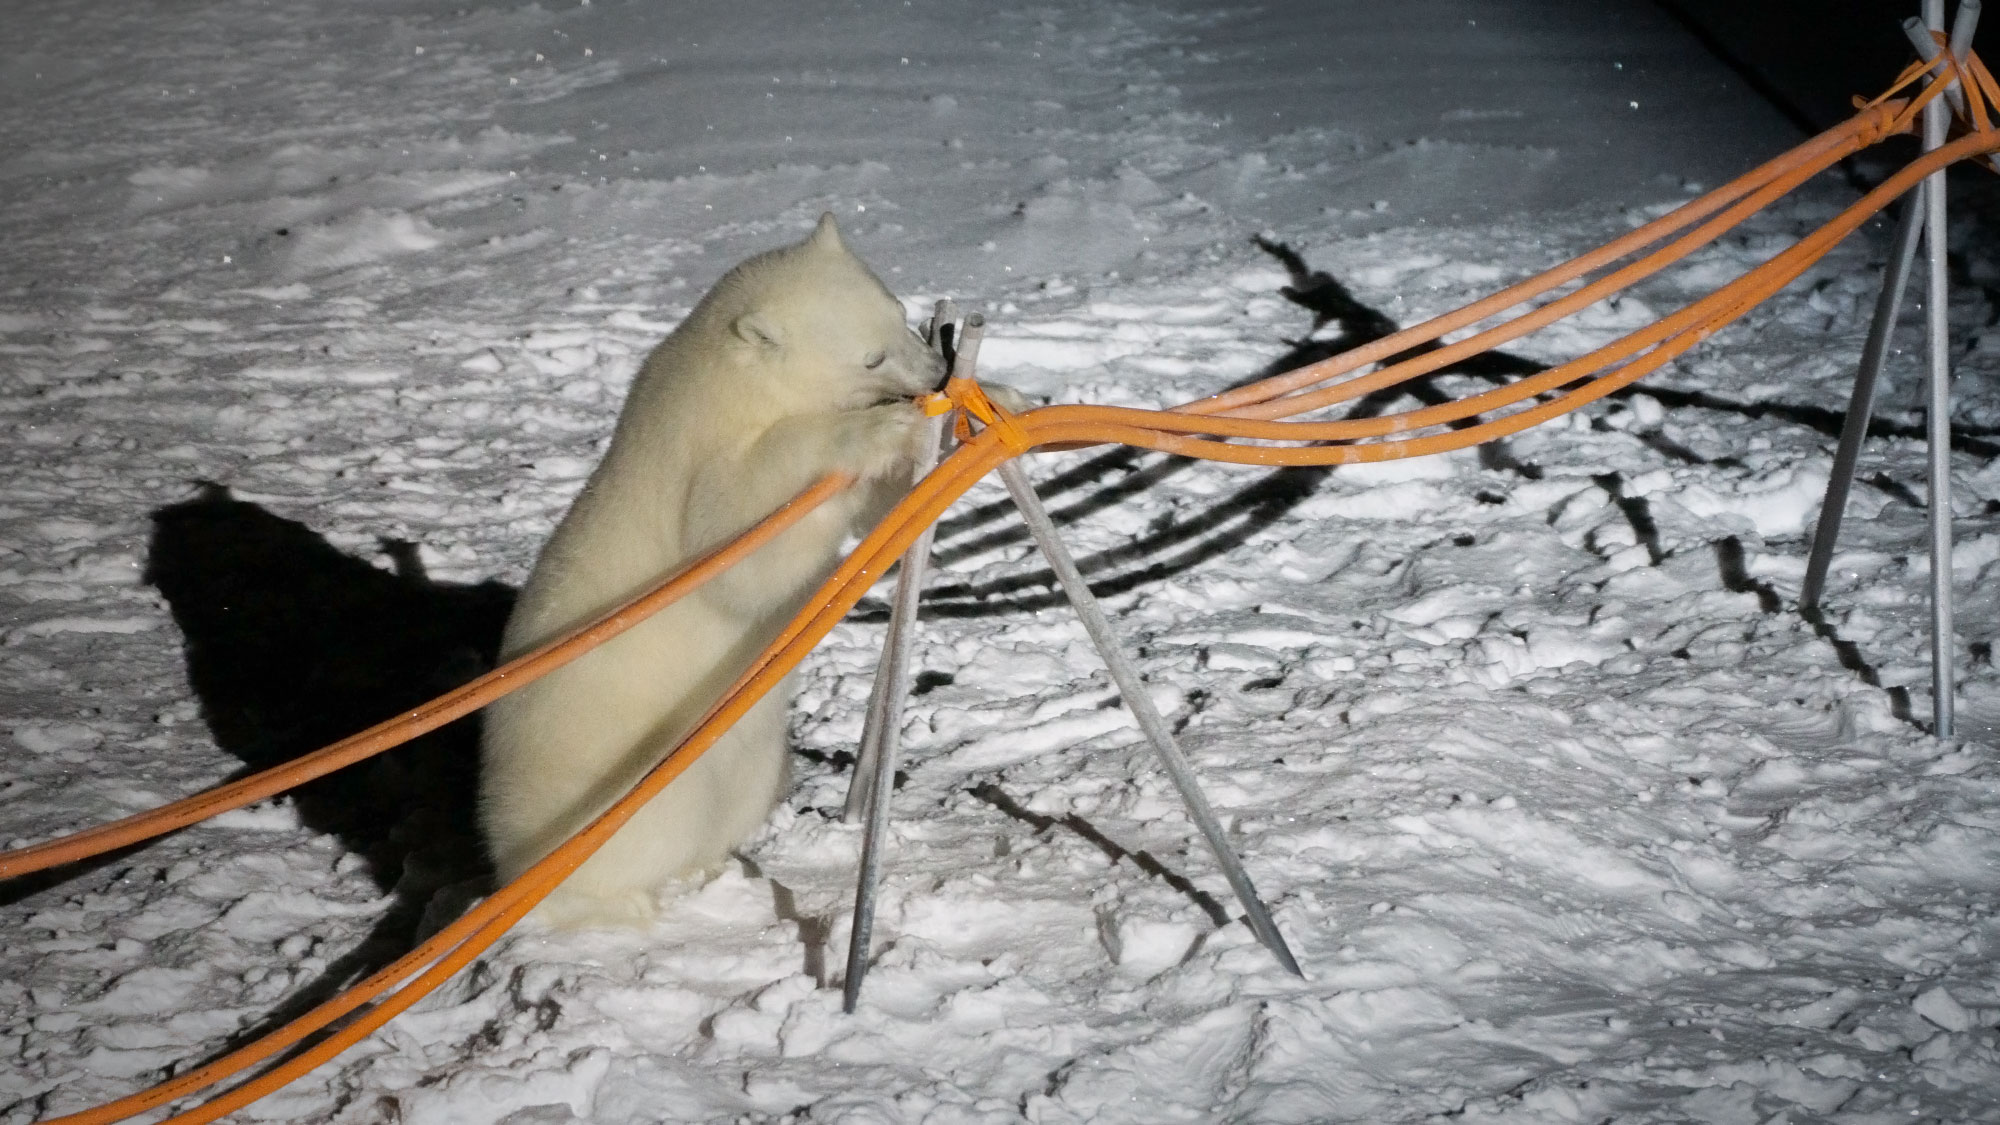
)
(1150, 720)
(1962, 28)
(881, 744)
(1861, 406)
(1937, 119)
(881, 741)
(892, 672)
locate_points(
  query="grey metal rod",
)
(1861, 404)
(1963, 23)
(868, 753)
(881, 739)
(1937, 120)
(879, 732)
(1141, 704)
(892, 670)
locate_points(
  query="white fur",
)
(766, 386)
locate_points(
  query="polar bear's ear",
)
(826, 236)
(756, 328)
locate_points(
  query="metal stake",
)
(881, 737)
(1937, 120)
(1861, 406)
(892, 671)
(1141, 704)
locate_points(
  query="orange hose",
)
(1247, 412)
(1581, 298)
(1706, 315)
(472, 933)
(394, 732)
(1866, 128)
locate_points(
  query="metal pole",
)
(1861, 406)
(891, 689)
(1963, 24)
(868, 754)
(1937, 120)
(881, 738)
(892, 671)
(1141, 704)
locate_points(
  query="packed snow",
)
(314, 317)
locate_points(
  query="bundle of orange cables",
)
(1243, 426)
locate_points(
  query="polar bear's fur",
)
(797, 363)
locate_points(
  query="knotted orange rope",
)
(969, 399)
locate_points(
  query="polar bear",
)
(796, 364)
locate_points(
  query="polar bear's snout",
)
(921, 369)
(902, 371)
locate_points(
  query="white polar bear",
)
(796, 364)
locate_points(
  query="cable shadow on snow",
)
(1965, 438)
(1173, 545)
(290, 645)
(20, 888)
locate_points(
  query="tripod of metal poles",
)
(1923, 219)
(875, 766)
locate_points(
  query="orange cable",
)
(459, 701)
(472, 933)
(1549, 313)
(1725, 304)
(1867, 126)
(1170, 430)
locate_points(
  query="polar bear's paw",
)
(1007, 398)
(880, 440)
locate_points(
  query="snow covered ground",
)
(1567, 810)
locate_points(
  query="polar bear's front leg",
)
(877, 444)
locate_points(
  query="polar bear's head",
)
(810, 324)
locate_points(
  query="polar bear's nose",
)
(915, 368)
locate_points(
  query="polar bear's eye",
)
(874, 361)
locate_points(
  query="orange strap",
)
(967, 397)
(1971, 75)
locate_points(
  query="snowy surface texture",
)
(313, 316)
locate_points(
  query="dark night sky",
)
(1807, 54)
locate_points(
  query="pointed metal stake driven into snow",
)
(1141, 704)
(1937, 122)
(881, 736)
